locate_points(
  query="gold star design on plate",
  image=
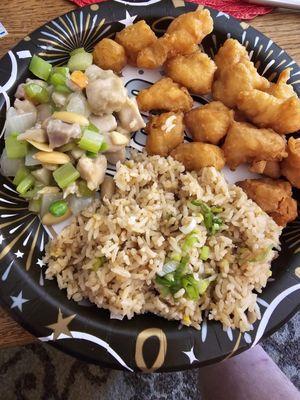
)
(61, 326)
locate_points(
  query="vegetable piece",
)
(203, 285)
(58, 208)
(65, 175)
(25, 184)
(61, 70)
(8, 166)
(83, 189)
(15, 148)
(212, 222)
(189, 242)
(180, 271)
(47, 199)
(99, 262)
(168, 267)
(49, 219)
(18, 122)
(71, 118)
(204, 253)
(63, 89)
(77, 204)
(216, 210)
(57, 79)
(33, 193)
(42, 175)
(29, 160)
(77, 51)
(80, 79)
(66, 147)
(20, 175)
(80, 61)
(175, 256)
(36, 93)
(91, 155)
(191, 287)
(90, 141)
(190, 227)
(40, 67)
(34, 205)
(55, 157)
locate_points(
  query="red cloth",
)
(236, 8)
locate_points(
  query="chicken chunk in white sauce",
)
(92, 170)
(105, 91)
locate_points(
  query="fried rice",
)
(143, 223)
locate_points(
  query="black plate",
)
(146, 342)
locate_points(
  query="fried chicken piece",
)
(134, 38)
(109, 54)
(268, 168)
(165, 95)
(209, 123)
(197, 24)
(166, 46)
(235, 73)
(181, 37)
(197, 155)
(194, 71)
(246, 143)
(268, 111)
(165, 132)
(281, 89)
(290, 167)
(274, 196)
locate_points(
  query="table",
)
(20, 17)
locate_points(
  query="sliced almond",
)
(49, 219)
(118, 139)
(71, 117)
(50, 167)
(40, 146)
(48, 190)
(55, 157)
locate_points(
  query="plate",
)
(146, 342)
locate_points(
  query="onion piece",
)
(189, 228)
(8, 166)
(47, 199)
(18, 122)
(78, 104)
(116, 316)
(77, 204)
(168, 267)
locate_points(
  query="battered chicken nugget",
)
(134, 38)
(197, 23)
(182, 36)
(235, 73)
(166, 46)
(165, 132)
(197, 155)
(274, 196)
(165, 95)
(267, 111)
(268, 168)
(290, 167)
(108, 54)
(209, 123)
(194, 71)
(246, 143)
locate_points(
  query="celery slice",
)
(57, 79)
(20, 175)
(65, 175)
(90, 141)
(15, 148)
(26, 184)
(36, 93)
(77, 51)
(40, 67)
(80, 61)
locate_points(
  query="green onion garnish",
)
(98, 263)
(204, 253)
